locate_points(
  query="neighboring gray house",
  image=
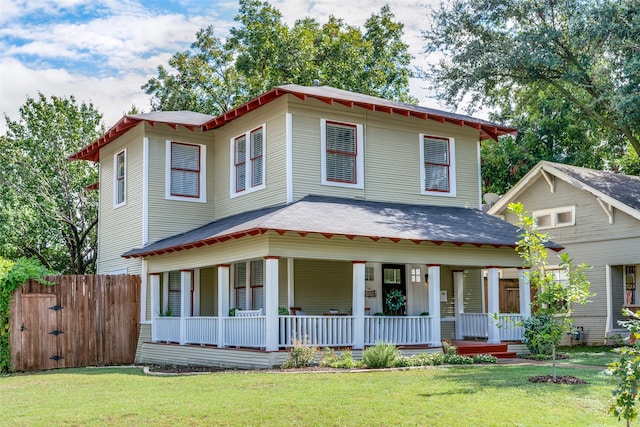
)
(595, 215)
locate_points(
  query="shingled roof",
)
(326, 94)
(617, 190)
(329, 216)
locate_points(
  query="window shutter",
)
(240, 162)
(436, 164)
(341, 153)
(185, 170)
(256, 157)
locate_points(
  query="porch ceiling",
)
(330, 216)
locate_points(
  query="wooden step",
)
(482, 349)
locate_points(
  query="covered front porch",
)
(282, 302)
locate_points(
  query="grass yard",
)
(588, 355)
(452, 396)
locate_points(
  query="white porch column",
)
(154, 279)
(458, 286)
(271, 302)
(223, 300)
(357, 304)
(186, 279)
(434, 303)
(493, 305)
(195, 310)
(291, 299)
(525, 292)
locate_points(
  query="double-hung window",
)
(185, 175)
(342, 154)
(120, 176)
(247, 162)
(249, 288)
(437, 172)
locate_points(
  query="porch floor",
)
(471, 348)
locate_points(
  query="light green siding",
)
(170, 217)
(120, 229)
(323, 285)
(273, 116)
(392, 155)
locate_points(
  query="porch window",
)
(342, 154)
(257, 284)
(437, 171)
(120, 168)
(416, 275)
(185, 177)
(630, 285)
(247, 162)
(556, 217)
(240, 285)
(173, 303)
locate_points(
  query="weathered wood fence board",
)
(97, 325)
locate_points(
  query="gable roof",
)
(617, 190)
(331, 216)
(326, 94)
(187, 119)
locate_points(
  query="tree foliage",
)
(554, 300)
(625, 372)
(45, 211)
(565, 72)
(214, 76)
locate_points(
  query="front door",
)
(394, 283)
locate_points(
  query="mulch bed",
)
(560, 379)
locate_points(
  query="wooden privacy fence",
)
(81, 321)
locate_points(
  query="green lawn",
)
(588, 355)
(452, 396)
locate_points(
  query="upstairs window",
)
(120, 185)
(342, 154)
(185, 172)
(438, 165)
(555, 217)
(247, 162)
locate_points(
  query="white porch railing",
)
(245, 331)
(322, 331)
(202, 330)
(399, 330)
(477, 325)
(166, 329)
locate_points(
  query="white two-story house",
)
(301, 212)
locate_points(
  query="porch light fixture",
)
(426, 279)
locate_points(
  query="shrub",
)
(300, 355)
(456, 359)
(536, 328)
(448, 348)
(382, 355)
(344, 361)
(484, 358)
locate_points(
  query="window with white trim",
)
(185, 171)
(175, 292)
(437, 170)
(249, 289)
(120, 177)
(556, 217)
(247, 161)
(342, 154)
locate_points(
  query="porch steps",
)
(471, 348)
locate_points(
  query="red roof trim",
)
(260, 231)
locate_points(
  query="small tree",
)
(625, 373)
(554, 298)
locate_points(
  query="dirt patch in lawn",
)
(560, 379)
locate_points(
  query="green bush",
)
(457, 359)
(536, 328)
(382, 355)
(300, 356)
(345, 361)
(448, 348)
(484, 358)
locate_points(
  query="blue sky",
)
(103, 51)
